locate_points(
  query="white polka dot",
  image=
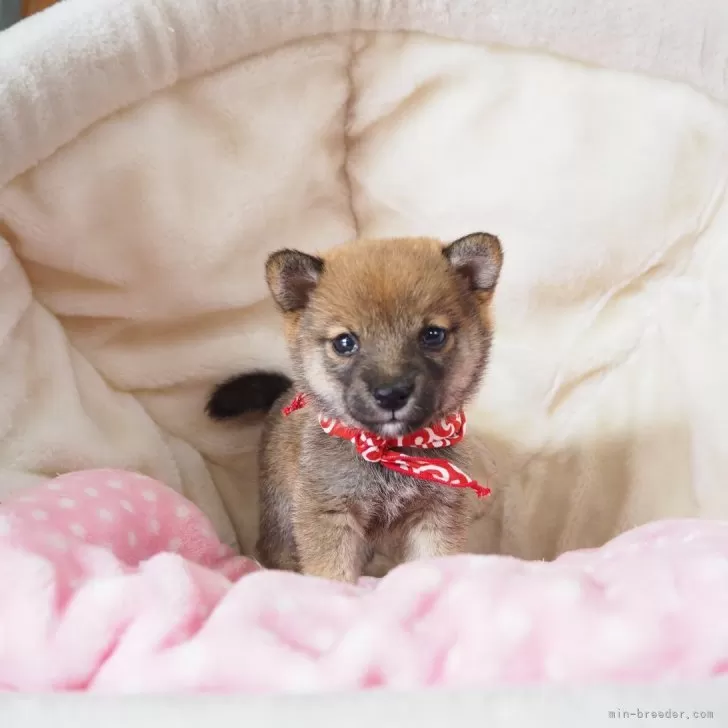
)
(114, 483)
(106, 515)
(54, 486)
(154, 525)
(40, 515)
(5, 526)
(149, 495)
(91, 492)
(690, 537)
(67, 503)
(77, 530)
(174, 544)
(182, 511)
(127, 506)
(131, 538)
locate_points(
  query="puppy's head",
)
(389, 335)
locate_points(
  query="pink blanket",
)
(110, 581)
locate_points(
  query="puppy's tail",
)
(246, 393)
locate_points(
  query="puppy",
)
(388, 340)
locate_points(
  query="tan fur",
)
(323, 508)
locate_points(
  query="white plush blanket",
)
(153, 153)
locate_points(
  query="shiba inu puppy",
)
(388, 340)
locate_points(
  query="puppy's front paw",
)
(330, 572)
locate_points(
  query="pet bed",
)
(153, 153)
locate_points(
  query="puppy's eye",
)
(433, 337)
(345, 344)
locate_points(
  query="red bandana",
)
(376, 449)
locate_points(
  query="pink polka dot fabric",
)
(110, 581)
(130, 515)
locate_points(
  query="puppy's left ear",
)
(478, 258)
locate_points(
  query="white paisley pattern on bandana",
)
(376, 449)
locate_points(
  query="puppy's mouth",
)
(415, 414)
(393, 426)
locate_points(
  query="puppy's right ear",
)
(292, 277)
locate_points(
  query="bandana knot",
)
(377, 449)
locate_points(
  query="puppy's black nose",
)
(394, 396)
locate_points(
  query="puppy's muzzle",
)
(393, 396)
